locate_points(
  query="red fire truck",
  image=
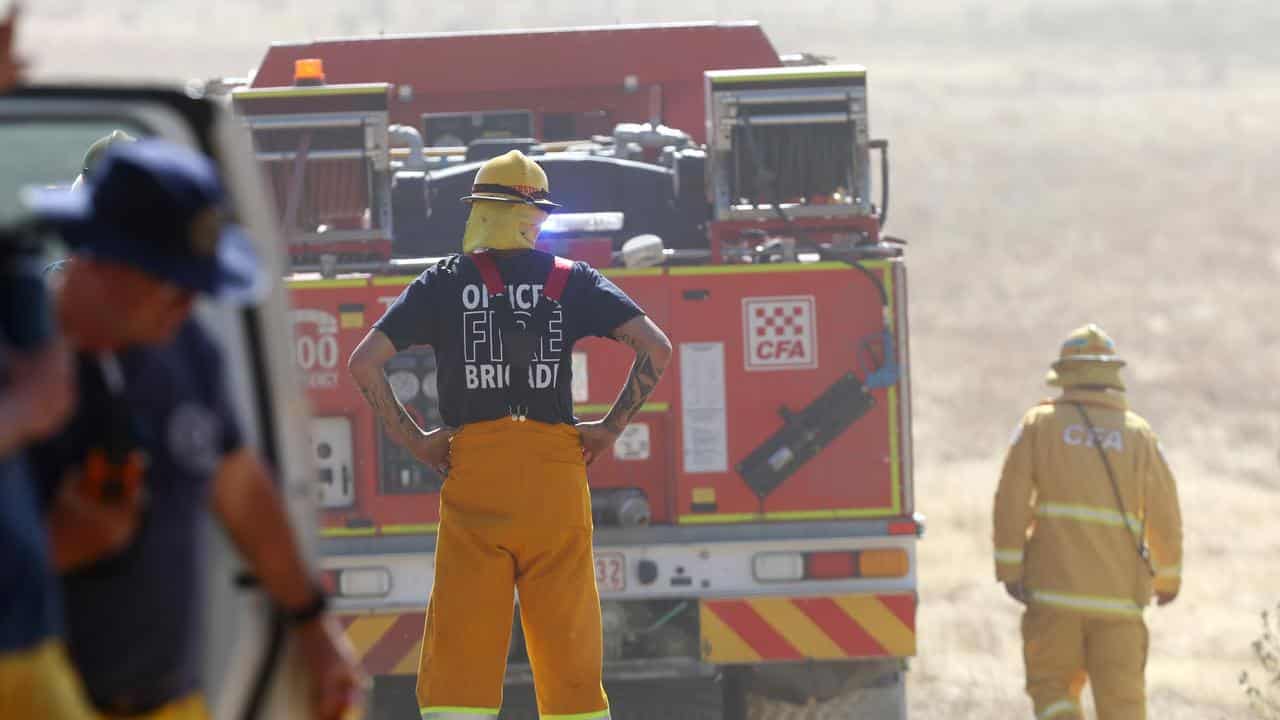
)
(756, 531)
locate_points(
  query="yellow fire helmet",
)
(1088, 357)
(509, 200)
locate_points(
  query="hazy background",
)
(1054, 162)
(1094, 41)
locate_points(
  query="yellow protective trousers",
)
(1063, 649)
(40, 683)
(191, 707)
(515, 516)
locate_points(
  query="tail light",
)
(778, 566)
(363, 581)
(883, 563)
(830, 565)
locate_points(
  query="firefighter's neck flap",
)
(1088, 359)
(509, 202)
(501, 226)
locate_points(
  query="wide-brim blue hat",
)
(157, 206)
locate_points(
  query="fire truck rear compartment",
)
(755, 529)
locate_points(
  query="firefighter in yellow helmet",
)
(515, 511)
(1087, 528)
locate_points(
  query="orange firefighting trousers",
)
(1062, 649)
(515, 516)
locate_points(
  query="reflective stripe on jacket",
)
(1058, 527)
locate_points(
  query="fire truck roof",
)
(467, 71)
(473, 62)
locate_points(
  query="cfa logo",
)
(779, 332)
(1100, 437)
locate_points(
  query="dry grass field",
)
(1030, 213)
(1055, 163)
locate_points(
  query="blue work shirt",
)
(447, 307)
(133, 620)
(28, 589)
(29, 601)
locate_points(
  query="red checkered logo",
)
(779, 333)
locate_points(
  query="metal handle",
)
(281, 155)
(883, 146)
(816, 118)
(306, 122)
(786, 97)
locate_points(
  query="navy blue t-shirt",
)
(447, 307)
(28, 590)
(133, 623)
(29, 601)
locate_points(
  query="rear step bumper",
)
(731, 631)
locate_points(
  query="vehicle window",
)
(47, 153)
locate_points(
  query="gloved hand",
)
(1016, 590)
(87, 525)
(1164, 598)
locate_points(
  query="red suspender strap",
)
(558, 278)
(554, 287)
(489, 273)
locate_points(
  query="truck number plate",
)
(611, 572)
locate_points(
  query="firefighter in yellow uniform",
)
(1087, 528)
(515, 510)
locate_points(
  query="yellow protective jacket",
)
(1058, 526)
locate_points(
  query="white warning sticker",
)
(579, 385)
(633, 443)
(702, 398)
(779, 332)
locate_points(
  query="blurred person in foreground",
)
(515, 510)
(36, 398)
(155, 441)
(1087, 528)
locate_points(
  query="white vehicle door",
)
(250, 671)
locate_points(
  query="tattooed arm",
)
(653, 352)
(366, 365)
